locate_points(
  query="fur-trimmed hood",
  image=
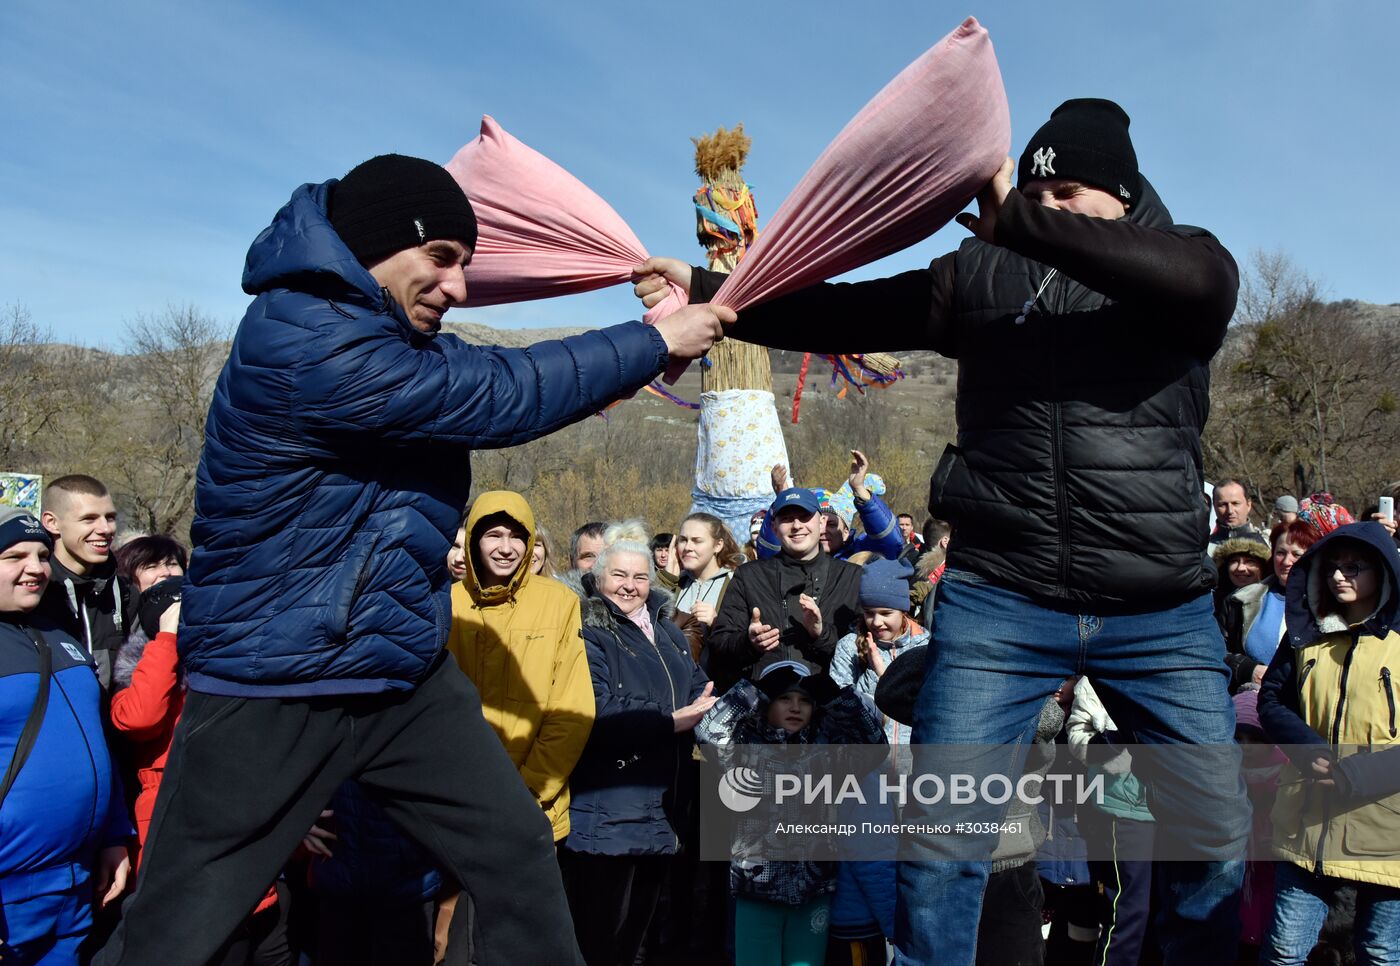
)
(1240, 545)
(1306, 586)
(600, 613)
(929, 562)
(128, 657)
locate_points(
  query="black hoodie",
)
(98, 609)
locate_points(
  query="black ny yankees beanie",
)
(1086, 139)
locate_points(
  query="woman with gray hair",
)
(628, 789)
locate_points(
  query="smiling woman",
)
(627, 788)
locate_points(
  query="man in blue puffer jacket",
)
(316, 607)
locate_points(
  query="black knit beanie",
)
(1086, 139)
(394, 202)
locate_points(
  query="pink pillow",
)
(542, 232)
(900, 169)
(908, 162)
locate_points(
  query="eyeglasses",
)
(1348, 570)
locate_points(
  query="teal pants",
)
(775, 934)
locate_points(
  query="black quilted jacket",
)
(1076, 476)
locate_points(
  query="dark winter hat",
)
(1086, 139)
(394, 202)
(18, 525)
(885, 583)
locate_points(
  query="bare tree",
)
(31, 389)
(177, 355)
(1305, 390)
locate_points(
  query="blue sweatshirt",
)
(66, 804)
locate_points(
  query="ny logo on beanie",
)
(1043, 162)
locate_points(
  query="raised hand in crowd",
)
(872, 656)
(688, 717)
(811, 615)
(673, 559)
(1386, 521)
(763, 637)
(860, 465)
(779, 476)
(170, 619)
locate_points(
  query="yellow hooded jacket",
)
(521, 645)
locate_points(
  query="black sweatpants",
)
(370, 933)
(613, 898)
(248, 776)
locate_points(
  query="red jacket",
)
(147, 713)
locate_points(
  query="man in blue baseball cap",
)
(795, 605)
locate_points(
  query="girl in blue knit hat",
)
(884, 632)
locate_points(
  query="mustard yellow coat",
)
(520, 643)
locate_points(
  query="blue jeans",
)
(995, 657)
(1300, 909)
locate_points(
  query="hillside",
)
(143, 435)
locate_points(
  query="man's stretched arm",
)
(362, 376)
(902, 312)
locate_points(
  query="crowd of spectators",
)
(600, 678)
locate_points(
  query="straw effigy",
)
(726, 224)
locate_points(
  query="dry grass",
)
(719, 157)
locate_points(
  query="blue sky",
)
(145, 143)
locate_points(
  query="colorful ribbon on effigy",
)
(857, 370)
(727, 215)
(661, 391)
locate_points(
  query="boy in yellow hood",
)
(517, 636)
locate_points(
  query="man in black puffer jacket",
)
(1083, 321)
